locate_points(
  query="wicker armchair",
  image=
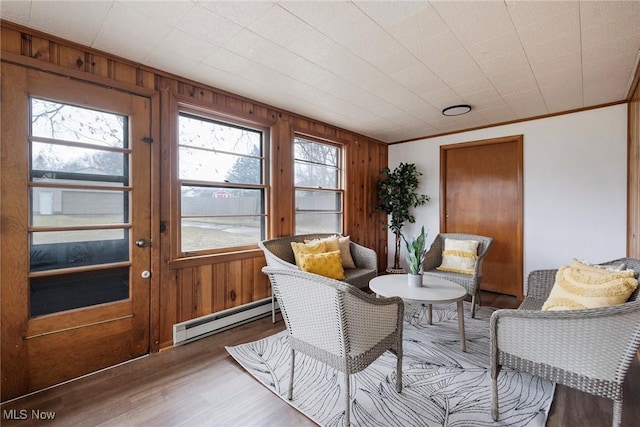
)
(278, 253)
(589, 350)
(471, 282)
(338, 324)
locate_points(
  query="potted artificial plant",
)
(397, 194)
(416, 251)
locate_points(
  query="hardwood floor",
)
(199, 384)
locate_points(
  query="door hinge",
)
(147, 140)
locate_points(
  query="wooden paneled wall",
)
(183, 289)
(633, 218)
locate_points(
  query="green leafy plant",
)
(397, 194)
(416, 251)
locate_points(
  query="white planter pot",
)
(414, 280)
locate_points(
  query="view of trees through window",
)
(63, 122)
(318, 187)
(76, 154)
(222, 175)
(221, 172)
(79, 206)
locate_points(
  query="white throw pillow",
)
(459, 256)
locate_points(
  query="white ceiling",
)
(384, 69)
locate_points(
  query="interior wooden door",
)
(482, 193)
(75, 229)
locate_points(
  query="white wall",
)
(575, 184)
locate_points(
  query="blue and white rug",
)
(442, 386)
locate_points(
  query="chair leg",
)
(347, 406)
(473, 306)
(495, 412)
(399, 369)
(617, 413)
(273, 308)
(293, 363)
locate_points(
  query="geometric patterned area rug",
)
(442, 386)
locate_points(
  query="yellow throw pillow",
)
(459, 256)
(338, 243)
(582, 286)
(328, 264)
(307, 248)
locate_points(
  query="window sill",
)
(194, 261)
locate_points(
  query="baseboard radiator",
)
(195, 329)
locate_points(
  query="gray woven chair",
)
(278, 253)
(471, 282)
(338, 324)
(589, 350)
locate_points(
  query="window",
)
(222, 184)
(318, 186)
(79, 207)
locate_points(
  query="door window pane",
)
(68, 291)
(59, 207)
(65, 122)
(52, 250)
(77, 162)
(76, 221)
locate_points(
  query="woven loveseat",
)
(589, 349)
(278, 253)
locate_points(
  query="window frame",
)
(341, 172)
(81, 183)
(209, 114)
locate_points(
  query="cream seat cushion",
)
(459, 256)
(581, 286)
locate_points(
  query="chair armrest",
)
(274, 261)
(592, 342)
(477, 269)
(540, 282)
(364, 257)
(369, 320)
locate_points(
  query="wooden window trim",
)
(181, 104)
(342, 171)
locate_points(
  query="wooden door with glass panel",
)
(83, 296)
